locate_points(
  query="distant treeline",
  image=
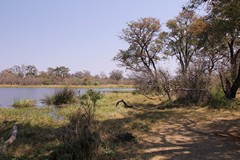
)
(30, 75)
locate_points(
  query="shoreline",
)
(69, 86)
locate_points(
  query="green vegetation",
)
(24, 103)
(43, 136)
(60, 97)
(168, 122)
(90, 97)
(31, 76)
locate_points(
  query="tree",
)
(58, 72)
(103, 75)
(61, 72)
(19, 70)
(31, 71)
(7, 77)
(24, 70)
(143, 53)
(181, 40)
(116, 75)
(224, 30)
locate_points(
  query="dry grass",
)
(170, 133)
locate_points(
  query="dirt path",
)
(193, 134)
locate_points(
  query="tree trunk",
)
(236, 84)
(231, 90)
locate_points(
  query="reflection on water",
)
(9, 95)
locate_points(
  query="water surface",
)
(9, 95)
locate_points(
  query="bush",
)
(218, 100)
(86, 82)
(24, 103)
(47, 82)
(81, 138)
(96, 83)
(60, 97)
(48, 100)
(90, 96)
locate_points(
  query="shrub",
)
(86, 82)
(60, 97)
(48, 100)
(47, 82)
(81, 138)
(24, 103)
(96, 83)
(91, 96)
(218, 100)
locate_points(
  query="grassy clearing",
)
(155, 129)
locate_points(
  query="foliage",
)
(41, 136)
(89, 97)
(81, 138)
(59, 72)
(218, 100)
(116, 75)
(181, 40)
(144, 45)
(29, 75)
(60, 97)
(143, 54)
(24, 71)
(24, 103)
(222, 33)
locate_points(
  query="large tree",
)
(143, 53)
(223, 18)
(181, 40)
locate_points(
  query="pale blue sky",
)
(79, 34)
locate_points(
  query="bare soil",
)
(186, 134)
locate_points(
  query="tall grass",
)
(60, 97)
(24, 103)
(81, 138)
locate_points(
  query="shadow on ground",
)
(161, 134)
(173, 135)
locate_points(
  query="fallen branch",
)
(125, 104)
(11, 139)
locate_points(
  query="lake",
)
(9, 95)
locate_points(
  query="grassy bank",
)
(171, 133)
(70, 86)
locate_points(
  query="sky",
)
(78, 34)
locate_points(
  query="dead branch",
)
(125, 104)
(10, 140)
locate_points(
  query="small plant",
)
(60, 97)
(91, 96)
(24, 103)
